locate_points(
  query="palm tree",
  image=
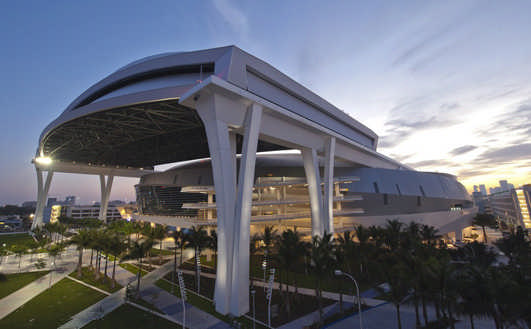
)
(395, 274)
(484, 220)
(159, 232)
(289, 255)
(116, 247)
(362, 235)
(138, 251)
(198, 240)
(213, 245)
(429, 234)
(393, 233)
(322, 264)
(179, 239)
(82, 240)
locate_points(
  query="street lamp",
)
(341, 273)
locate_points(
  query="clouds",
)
(232, 16)
(399, 130)
(505, 155)
(462, 150)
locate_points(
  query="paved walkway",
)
(11, 302)
(173, 307)
(384, 316)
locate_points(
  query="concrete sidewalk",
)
(384, 316)
(113, 301)
(173, 307)
(11, 302)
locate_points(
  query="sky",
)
(445, 84)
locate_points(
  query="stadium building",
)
(225, 105)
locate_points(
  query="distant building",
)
(482, 189)
(29, 204)
(10, 223)
(476, 188)
(504, 185)
(83, 212)
(513, 206)
(480, 201)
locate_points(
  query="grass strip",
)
(53, 307)
(16, 281)
(127, 317)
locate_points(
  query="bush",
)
(3, 277)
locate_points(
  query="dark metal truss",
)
(141, 135)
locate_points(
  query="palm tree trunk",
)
(91, 255)
(138, 278)
(79, 263)
(160, 253)
(484, 234)
(113, 272)
(424, 310)
(106, 261)
(397, 316)
(319, 304)
(417, 315)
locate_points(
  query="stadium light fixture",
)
(43, 160)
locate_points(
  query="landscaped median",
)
(53, 307)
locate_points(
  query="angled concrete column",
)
(328, 201)
(42, 195)
(311, 167)
(224, 173)
(242, 225)
(105, 187)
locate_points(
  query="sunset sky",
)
(445, 84)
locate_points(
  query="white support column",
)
(328, 201)
(105, 187)
(224, 173)
(42, 196)
(242, 225)
(311, 167)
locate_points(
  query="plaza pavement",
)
(384, 317)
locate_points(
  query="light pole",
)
(253, 293)
(340, 273)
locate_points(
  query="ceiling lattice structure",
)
(141, 135)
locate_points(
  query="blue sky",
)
(446, 85)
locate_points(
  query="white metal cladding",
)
(434, 185)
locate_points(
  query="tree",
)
(82, 240)
(117, 246)
(322, 264)
(138, 251)
(213, 245)
(484, 220)
(395, 274)
(179, 239)
(289, 254)
(197, 239)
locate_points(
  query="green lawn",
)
(128, 317)
(16, 281)
(52, 307)
(133, 269)
(14, 239)
(104, 283)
